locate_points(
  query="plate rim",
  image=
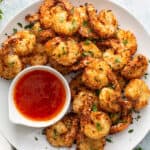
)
(109, 1)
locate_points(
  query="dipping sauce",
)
(39, 95)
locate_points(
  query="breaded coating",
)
(84, 101)
(95, 126)
(85, 143)
(104, 24)
(95, 74)
(109, 100)
(138, 92)
(22, 43)
(63, 133)
(10, 66)
(136, 67)
(64, 51)
(85, 29)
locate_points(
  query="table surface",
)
(140, 9)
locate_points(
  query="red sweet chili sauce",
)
(39, 95)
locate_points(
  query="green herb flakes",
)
(125, 42)
(19, 24)
(109, 140)
(98, 127)
(94, 108)
(130, 131)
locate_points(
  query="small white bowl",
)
(16, 117)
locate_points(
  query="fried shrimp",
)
(64, 51)
(95, 75)
(136, 67)
(42, 35)
(63, 133)
(104, 24)
(123, 42)
(84, 101)
(44, 13)
(22, 43)
(137, 92)
(85, 143)
(65, 22)
(127, 40)
(10, 66)
(76, 86)
(116, 61)
(98, 126)
(85, 30)
(121, 125)
(89, 51)
(109, 100)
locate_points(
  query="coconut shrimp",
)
(64, 51)
(121, 124)
(85, 29)
(85, 143)
(89, 50)
(76, 86)
(22, 43)
(84, 101)
(116, 61)
(42, 35)
(95, 74)
(63, 22)
(10, 66)
(97, 126)
(63, 133)
(104, 24)
(109, 100)
(136, 67)
(123, 42)
(137, 92)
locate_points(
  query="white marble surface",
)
(139, 8)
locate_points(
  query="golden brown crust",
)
(136, 68)
(63, 133)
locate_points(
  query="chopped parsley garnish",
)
(6, 34)
(130, 131)
(1, 14)
(145, 75)
(109, 140)
(55, 134)
(97, 92)
(72, 10)
(138, 148)
(88, 53)
(94, 108)
(125, 42)
(19, 24)
(85, 23)
(148, 61)
(138, 117)
(1, 1)
(86, 42)
(36, 138)
(117, 60)
(28, 26)
(98, 127)
(11, 64)
(14, 30)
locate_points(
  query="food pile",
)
(108, 85)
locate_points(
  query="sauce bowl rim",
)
(17, 117)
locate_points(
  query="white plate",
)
(23, 138)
